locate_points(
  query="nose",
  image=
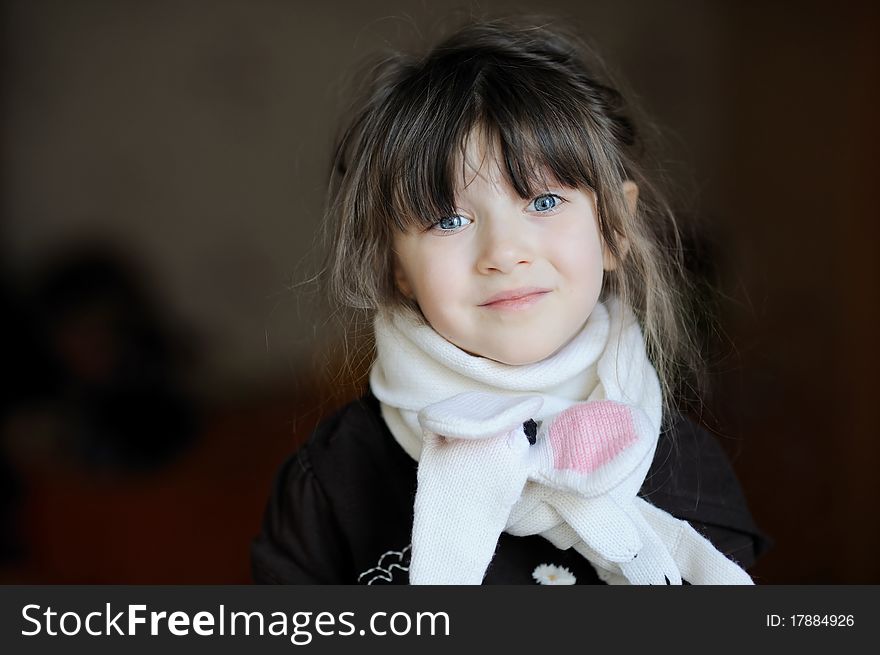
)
(504, 245)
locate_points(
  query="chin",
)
(535, 350)
(519, 358)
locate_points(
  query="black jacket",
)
(341, 508)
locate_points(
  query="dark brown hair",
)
(540, 98)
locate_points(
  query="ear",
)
(401, 280)
(631, 195)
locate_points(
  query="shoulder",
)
(367, 480)
(337, 442)
(300, 541)
(354, 446)
(691, 469)
(693, 479)
(349, 485)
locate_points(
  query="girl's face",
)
(508, 279)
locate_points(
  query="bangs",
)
(527, 117)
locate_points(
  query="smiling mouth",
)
(516, 299)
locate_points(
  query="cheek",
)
(442, 295)
(438, 279)
(579, 258)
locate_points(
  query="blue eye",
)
(452, 223)
(546, 202)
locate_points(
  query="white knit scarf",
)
(596, 407)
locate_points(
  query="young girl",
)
(489, 206)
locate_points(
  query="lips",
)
(515, 294)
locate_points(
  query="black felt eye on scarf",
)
(531, 430)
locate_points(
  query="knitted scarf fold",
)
(558, 448)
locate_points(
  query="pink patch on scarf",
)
(587, 435)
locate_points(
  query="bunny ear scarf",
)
(558, 448)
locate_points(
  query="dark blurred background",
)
(163, 170)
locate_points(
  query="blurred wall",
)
(197, 136)
(194, 138)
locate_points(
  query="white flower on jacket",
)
(552, 574)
